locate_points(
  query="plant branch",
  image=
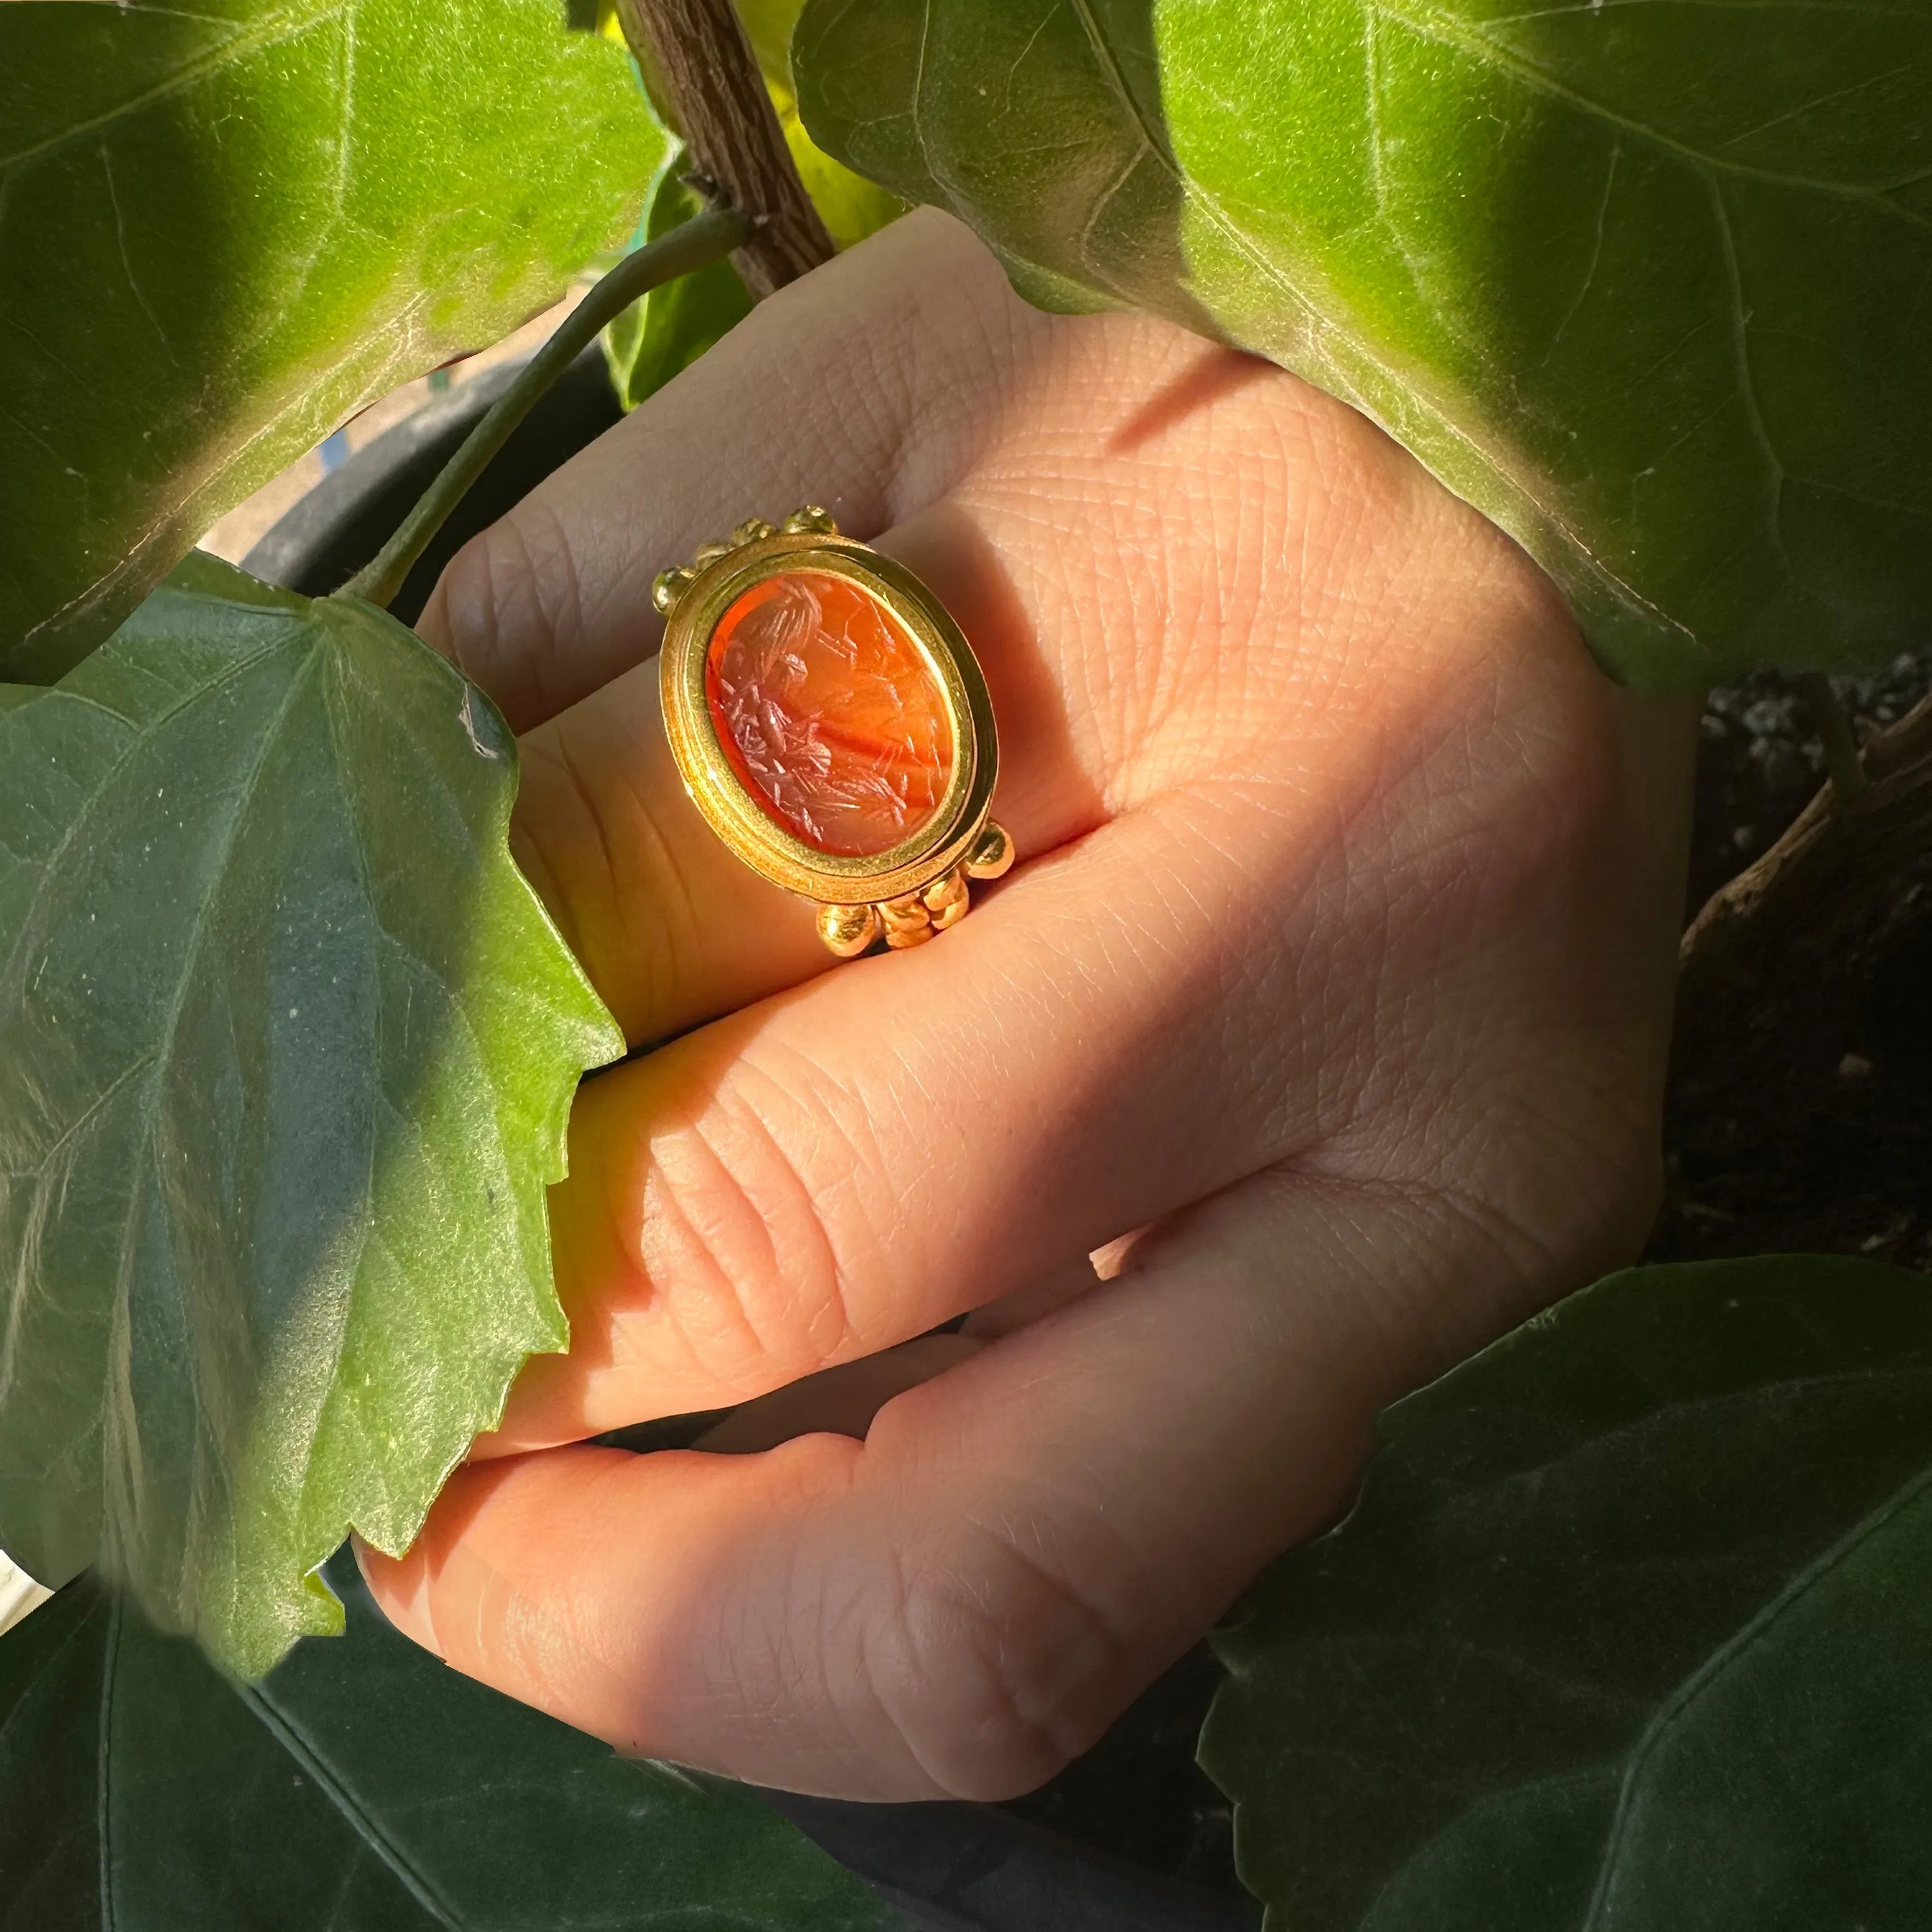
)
(715, 232)
(1834, 730)
(698, 62)
(1839, 855)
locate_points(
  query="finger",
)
(1060, 520)
(1135, 1021)
(843, 1401)
(839, 1169)
(1052, 1291)
(962, 1602)
(867, 386)
(836, 1402)
(672, 928)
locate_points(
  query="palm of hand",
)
(1337, 964)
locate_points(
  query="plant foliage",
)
(286, 1049)
(1628, 1631)
(1646, 283)
(223, 229)
(363, 1785)
(673, 325)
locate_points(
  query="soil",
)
(1807, 1127)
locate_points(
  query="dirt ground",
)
(1808, 1126)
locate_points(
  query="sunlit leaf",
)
(286, 1049)
(850, 206)
(1646, 281)
(222, 228)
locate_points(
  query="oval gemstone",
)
(828, 713)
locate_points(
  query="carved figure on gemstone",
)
(834, 724)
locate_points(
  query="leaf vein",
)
(287, 1732)
(1734, 1646)
(1481, 45)
(269, 32)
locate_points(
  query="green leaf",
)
(1648, 284)
(850, 206)
(771, 24)
(287, 1047)
(225, 229)
(672, 325)
(656, 338)
(1628, 1632)
(363, 1786)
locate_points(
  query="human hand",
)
(1338, 962)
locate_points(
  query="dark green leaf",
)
(1648, 284)
(1630, 1631)
(224, 228)
(362, 1788)
(286, 1050)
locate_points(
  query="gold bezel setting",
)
(917, 886)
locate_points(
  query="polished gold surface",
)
(848, 930)
(991, 856)
(669, 586)
(917, 887)
(943, 893)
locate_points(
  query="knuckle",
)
(997, 1670)
(737, 1236)
(500, 604)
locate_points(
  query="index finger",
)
(868, 387)
(960, 1603)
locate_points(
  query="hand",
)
(1327, 1006)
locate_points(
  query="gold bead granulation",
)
(847, 930)
(992, 853)
(669, 586)
(907, 922)
(946, 899)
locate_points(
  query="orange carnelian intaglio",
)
(830, 717)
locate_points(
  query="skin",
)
(1317, 1037)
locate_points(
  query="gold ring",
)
(830, 721)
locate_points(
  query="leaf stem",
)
(691, 245)
(1843, 765)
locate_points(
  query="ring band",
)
(829, 720)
